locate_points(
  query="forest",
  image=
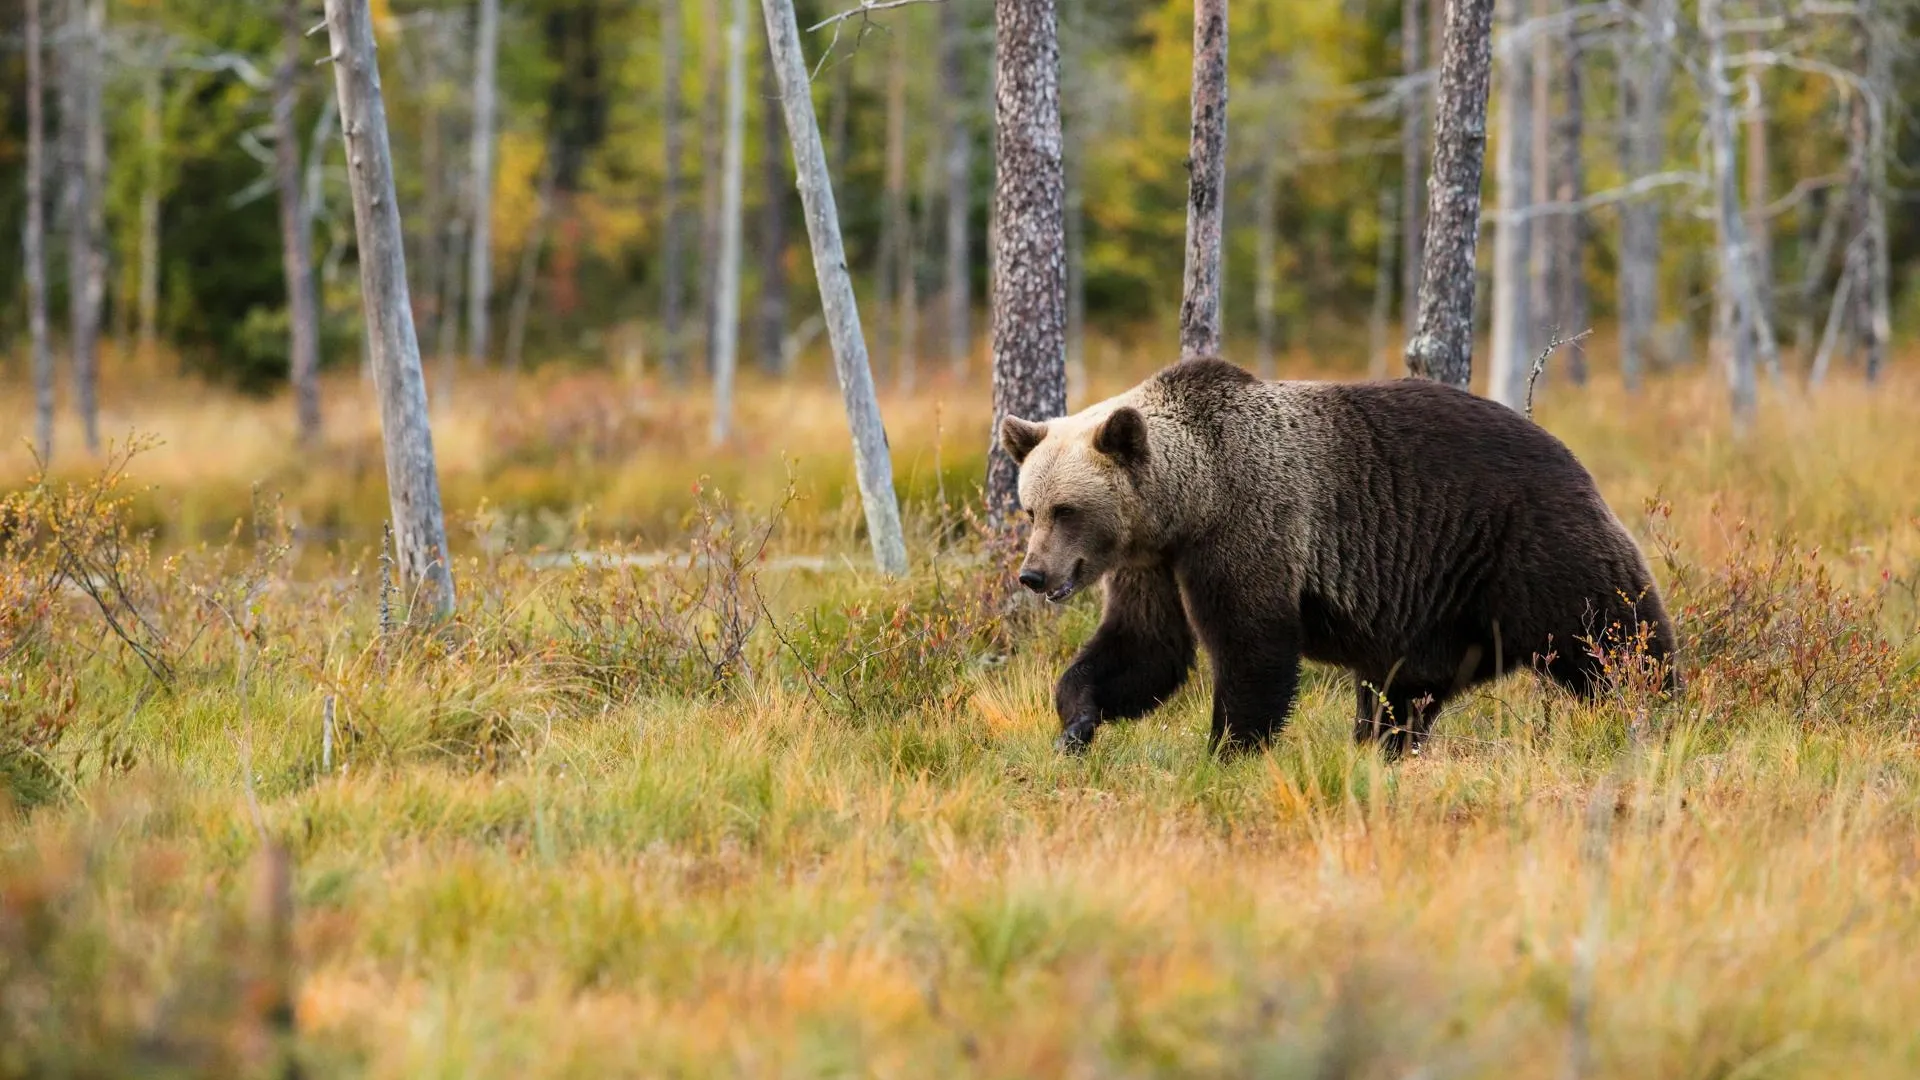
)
(507, 565)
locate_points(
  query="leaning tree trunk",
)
(1509, 352)
(33, 239)
(84, 128)
(873, 469)
(296, 248)
(486, 48)
(773, 227)
(672, 356)
(1442, 344)
(413, 484)
(1413, 130)
(1030, 273)
(1206, 184)
(1747, 330)
(726, 310)
(1645, 84)
(958, 140)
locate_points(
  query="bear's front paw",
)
(1076, 736)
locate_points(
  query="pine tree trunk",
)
(84, 128)
(1029, 279)
(873, 469)
(413, 484)
(1206, 184)
(1746, 331)
(147, 291)
(726, 322)
(958, 141)
(1413, 152)
(486, 48)
(1645, 85)
(33, 238)
(773, 227)
(672, 348)
(303, 325)
(1441, 347)
(1509, 353)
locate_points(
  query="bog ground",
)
(736, 814)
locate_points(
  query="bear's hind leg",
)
(1139, 657)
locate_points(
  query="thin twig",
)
(866, 9)
(1554, 341)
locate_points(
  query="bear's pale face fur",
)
(1078, 485)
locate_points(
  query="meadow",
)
(733, 811)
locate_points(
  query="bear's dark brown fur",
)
(1419, 536)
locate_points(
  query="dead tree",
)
(296, 247)
(1441, 347)
(1029, 305)
(1744, 328)
(772, 316)
(1510, 353)
(83, 128)
(1570, 306)
(486, 49)
(712, 118)
(1646, 81)
(958, 142)
(873, 468)
(1206, 184)
(413, 483)
(726, 311)
(33, 238)
(671, 106)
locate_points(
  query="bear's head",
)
(1078, 484)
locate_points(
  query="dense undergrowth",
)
(725, 812)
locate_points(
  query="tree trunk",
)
(1879, 33)
(893, 216)
(1819, 232)
(1746, 328)
(773, 228)
(1266, 282)
(1413, 149)
(1382, 289)
(1206, 184)
(1442, 344)
(873, 469)
(528, 276)
(1029, 281)
(84, 128)
(486, 48)
(726, 320)
(711, 171)
(33, 238)
(413, 483)
(672, 348)
(958, 141)
(1571, 306)
(1758, 166)
(296, 255)
(147, 300)
(1645, 84)
(1509, 356)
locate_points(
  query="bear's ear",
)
(1123, 437)
(1019, 437)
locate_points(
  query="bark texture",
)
(1029, 305)
(1442, 344)
(413, 483)
(296, 254)
(1746, 332)
(873, 468)
(1206, 184)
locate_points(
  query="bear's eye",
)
(1065, 513)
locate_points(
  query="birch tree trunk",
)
(147, 291)
(773, 227)
(726, 319)
(296, 249)
(84, 129)
(672, 348)
(486, 49)
(413, 484)
(1206, 184)
(1266, 224)
(873, 469)
(1645, 87)
(958, 141)
(1509, 354)
(1758, 167)
(1413, 150)
(1441, 347)
(1029, 280)
(1879, 33)
(33, 238)
(1746, 328)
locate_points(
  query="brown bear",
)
(1421, 537)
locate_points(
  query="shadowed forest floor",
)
(708, 817)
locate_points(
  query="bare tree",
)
(1510, 353)
(33, 238)
(413, 483)
(1646, 80)
(1569, 307)
(672, 355)
(1029, 237)
(1758, 168)
(486, 48)
(958, 142)
(726, 315)
(773, 227)
(1744, 327)
(712, 169)
(1880, 29)
(296, 248)
(1442, 344)
(1413, 150)
(83, 128)
(1206, 184)
(873, 469)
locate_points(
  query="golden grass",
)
(522, 866)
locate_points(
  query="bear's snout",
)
(1034, 580)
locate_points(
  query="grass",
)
(681, 822)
